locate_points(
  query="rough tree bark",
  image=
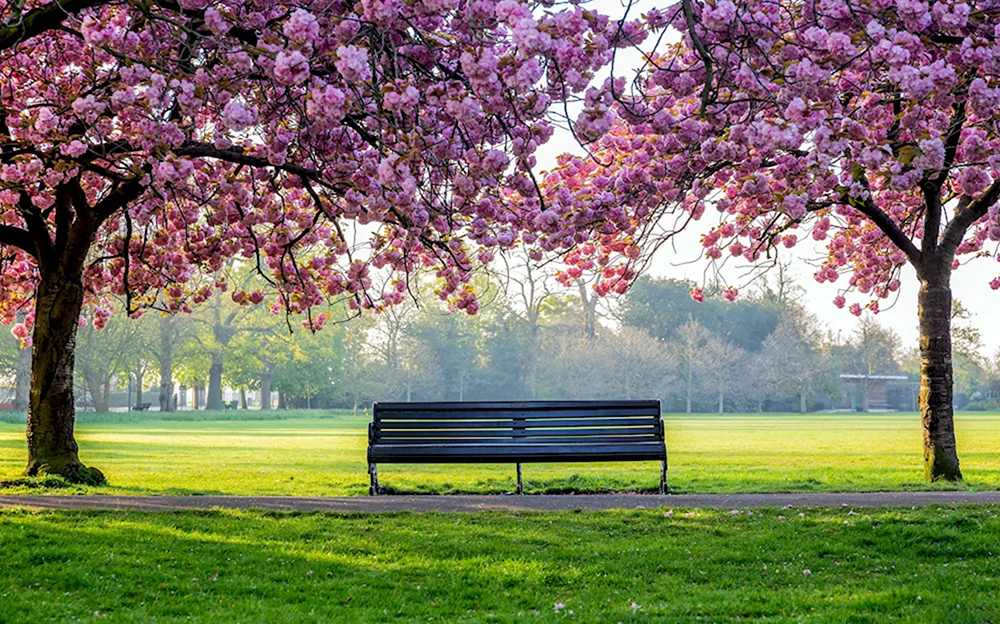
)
(936, 376)
(52, 449)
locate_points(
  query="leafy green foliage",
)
(661, 306)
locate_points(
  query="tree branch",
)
(42, 19)
(932, 217)
(238, 156)
(890, 229)
(37, 229)
(955, 232)
(16, 237)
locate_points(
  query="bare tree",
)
(689, 352)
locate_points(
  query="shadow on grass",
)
(48, 482)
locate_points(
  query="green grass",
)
(882, 565)
(326, 456)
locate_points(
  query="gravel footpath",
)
(380, 504)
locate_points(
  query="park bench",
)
(515, 433)
(141, 407)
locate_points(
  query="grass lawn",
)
(774, 565)
(323, 453)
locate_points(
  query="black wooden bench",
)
(141, 407)
(515, 433)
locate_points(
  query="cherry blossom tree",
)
(870, 125)
(142, 143)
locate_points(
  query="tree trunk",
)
(722, 401)
(22, 379)
(182, 397)
(803, 407)
(102, 402)
(265, 391)
(138, 386)
(214, 401)
(52, 449)
(166, 368)
(589, 310)
(688, 397)
(281, 400)
(243, 399)
(199, 396)
(936, 380)
(532, 359)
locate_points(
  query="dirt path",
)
(379, 504)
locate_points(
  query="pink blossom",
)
(238, 116)
(352, 63)
(291, 68)
(302, 27)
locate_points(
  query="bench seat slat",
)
(515, 406)
(517, 424)
(518, 441)
(509, 434)
(383, 415)
(485, 454)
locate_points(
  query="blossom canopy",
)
(146, 143)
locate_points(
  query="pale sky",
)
(970, 283)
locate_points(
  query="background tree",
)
(107, 347)
(791, 360)
(719, 363)
(688, 350)
(875, 351)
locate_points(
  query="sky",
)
(970, 283)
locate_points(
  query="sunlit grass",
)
(771, 565)
(708, 453)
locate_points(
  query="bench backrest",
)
(518, 431)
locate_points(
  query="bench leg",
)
(520, 485)
(663, 477)
(374, 490)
